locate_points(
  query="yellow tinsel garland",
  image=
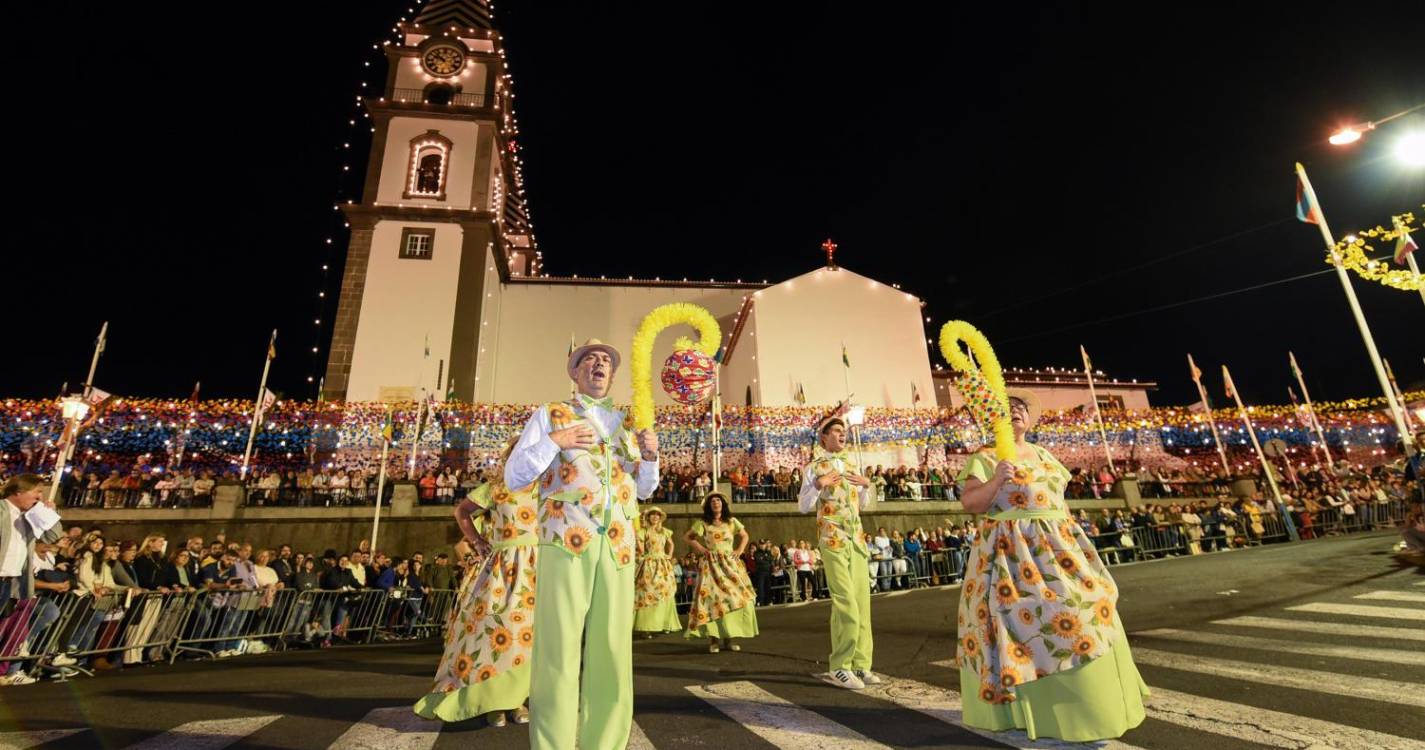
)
(1355, 256)
(951, 336)
(663, 316)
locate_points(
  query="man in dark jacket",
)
(762, 572)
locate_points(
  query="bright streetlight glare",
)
(1410, 149)
(1344, 136)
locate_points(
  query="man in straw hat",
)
(833, 485)
(591, 472)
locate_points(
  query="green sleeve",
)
(698, 529)
(481, 495)
(981, 466)
(737, 526)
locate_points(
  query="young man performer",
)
(833, 485)
(591, 475)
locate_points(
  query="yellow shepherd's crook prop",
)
(983, 386)
(663, 316)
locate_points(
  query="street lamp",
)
(1352, 133)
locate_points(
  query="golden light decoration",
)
(1355, 255)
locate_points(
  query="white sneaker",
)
(63, 660)
(843, 678)
(868, 677)
(18, 678)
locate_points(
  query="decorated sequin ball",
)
(688, 376)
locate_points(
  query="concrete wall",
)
(406, 527)
(523, 362)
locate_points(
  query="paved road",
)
(1313, 645)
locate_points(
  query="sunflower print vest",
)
(838, 510)
(585, 494)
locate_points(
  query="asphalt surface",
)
(1344, 672)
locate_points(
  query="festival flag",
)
(272, 346)
(96, 396)
(450, 390)
(268, 399)
(1085, 352)
(193, 399)
(801, 395)
(1306, 209)
(1295, 369)
(914, 394)
(103, 340)
(1404, 244)
(845, 360)
(1198, 407)
(1227, 382)
(1196, 373)
(427, 354)
(388, 430)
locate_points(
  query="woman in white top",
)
(802, 560)
(1193, 523)
(339, 486)
(445, 487)
(882, 559)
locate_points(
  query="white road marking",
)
(1386, 691)
(780, 722)
(23, 740)
(1362, 653)
(1361, 610)
(638, 740)
(394, 728)
(1267, 727)
(1329, 628)
(213, 734)
(1393, 596)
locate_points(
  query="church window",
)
(429, 166)
(417, 244)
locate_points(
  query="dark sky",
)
(1048, 174)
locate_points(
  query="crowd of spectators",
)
(220, 597)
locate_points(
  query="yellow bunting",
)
(996, 411)
(663, 316)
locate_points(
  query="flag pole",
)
(416, 437)
(717, 423)
(1405, 437)
(1410, 260)
(1211, 423)
(1390, 375)
(71, 428)
(855, 429)
(1266, 468)
(1102, 432)
(257, 405)
(1310, 409)
(380, 485)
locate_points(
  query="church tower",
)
(442, 215)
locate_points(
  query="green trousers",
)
(849, 580)
(581, 598)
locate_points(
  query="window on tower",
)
(417, 244)
(429, 166)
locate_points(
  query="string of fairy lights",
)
(360, 128)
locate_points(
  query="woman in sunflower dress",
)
(1041, 647)
(655, 610)
(490, 634)
(723, 599)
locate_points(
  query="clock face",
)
(443, 61)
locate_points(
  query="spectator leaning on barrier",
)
(25, 519)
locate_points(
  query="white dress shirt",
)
(535, 451)
(809, 494)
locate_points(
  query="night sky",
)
(1051, 175)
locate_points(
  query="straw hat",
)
(1030, 399)
(592, 345)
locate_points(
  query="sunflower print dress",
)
(490, 634)
(655, 609)
(723, 599)
(1038, 616)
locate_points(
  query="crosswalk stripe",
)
(213, 734)
(944, 705)
(1386, 691)
(780, 722)
(22, 740)
(1362, 653)
(638, 739)
(1267, 727)
(394, 728)
(1361, 610)
(1393, 596)
(1418, 583)
(1329, 628)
